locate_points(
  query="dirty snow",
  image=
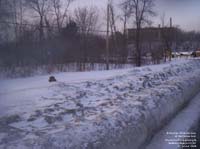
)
(105, 109)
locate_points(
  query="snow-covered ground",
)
(22, 95)
(107, 109)
(27, 71)
(186, 121)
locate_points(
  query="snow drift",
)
(123, 111)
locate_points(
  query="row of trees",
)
(49, 32)
(43, 32)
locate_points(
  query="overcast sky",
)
(185, 13)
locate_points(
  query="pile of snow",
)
(186, 121)
(122, 111)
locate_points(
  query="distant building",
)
(153, 41)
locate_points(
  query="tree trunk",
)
(138, 50)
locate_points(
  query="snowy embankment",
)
(188, 120)
(122, 111)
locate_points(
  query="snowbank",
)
(124, 111)
(186, 121)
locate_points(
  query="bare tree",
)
(5, 17)
(125, 16)
(86, 19)
(60, 10)
(167, 37)
(140, 10)
(5, 9)
(113, 27)
(41, 7)
(18, 10)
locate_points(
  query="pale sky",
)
(185, 13)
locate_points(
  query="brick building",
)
(154, 41)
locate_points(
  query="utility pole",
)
(171, 36)
(107, 35)
(170, 22)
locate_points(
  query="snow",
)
(27, 71)
(10, 85)
(107, 109)
(185, 122)
(20, 95)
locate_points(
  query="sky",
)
(184, 13)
